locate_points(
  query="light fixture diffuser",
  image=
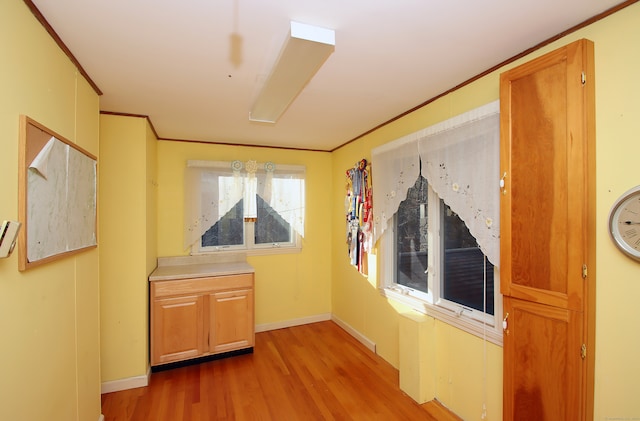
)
(307, 47)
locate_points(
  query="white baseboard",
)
(359, 336)
(142, 381)
(101, 417)
(319, 318)
(124, 384)
(294, 322)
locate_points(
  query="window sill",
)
(474, 327)
(259, 251)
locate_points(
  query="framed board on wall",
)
(57, 198)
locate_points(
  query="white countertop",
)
(184, 267)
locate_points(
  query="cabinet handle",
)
(503, 183)
(505, 327)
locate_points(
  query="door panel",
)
(544, 158)
(178, 329)
(543, 354)
(538, 189)
(231, 320)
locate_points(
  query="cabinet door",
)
(547, 224)
(542, 347)
(177, 329)
(546, 159)
(231, 321)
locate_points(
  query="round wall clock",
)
(624, 223)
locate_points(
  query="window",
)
(464, 276)
(435, 265)
(438, 222)
(231, 206)
(467, 275)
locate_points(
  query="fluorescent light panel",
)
(307, 47)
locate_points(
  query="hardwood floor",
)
(311, 372)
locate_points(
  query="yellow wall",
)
(128, 243)
(617, 151)
(49, 315)
(459, 357)
(288, 286)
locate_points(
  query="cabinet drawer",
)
(200, 285)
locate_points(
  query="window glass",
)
(464, 275)
(466, 271)
(228, 230)
(270, 227)
(411, 238)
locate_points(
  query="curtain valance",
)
(460, 158)
(213, 188)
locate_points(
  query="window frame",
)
(248, 246)
(252, 249)
(432, 303)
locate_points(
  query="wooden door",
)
(547, 233)
(177, 331)
(543, 362)
(231, 320)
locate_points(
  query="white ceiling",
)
(171, 60)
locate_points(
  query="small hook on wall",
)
(8, 234)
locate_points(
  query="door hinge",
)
(584, 270)
(584, 78)
(583, 351)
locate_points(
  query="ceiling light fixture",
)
(307, 47)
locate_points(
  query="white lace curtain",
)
(460, 159)
(213, 188)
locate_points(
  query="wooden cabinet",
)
(177, 328)
(198, 317)
(543, 366)
(547, 236)
(231, 320)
